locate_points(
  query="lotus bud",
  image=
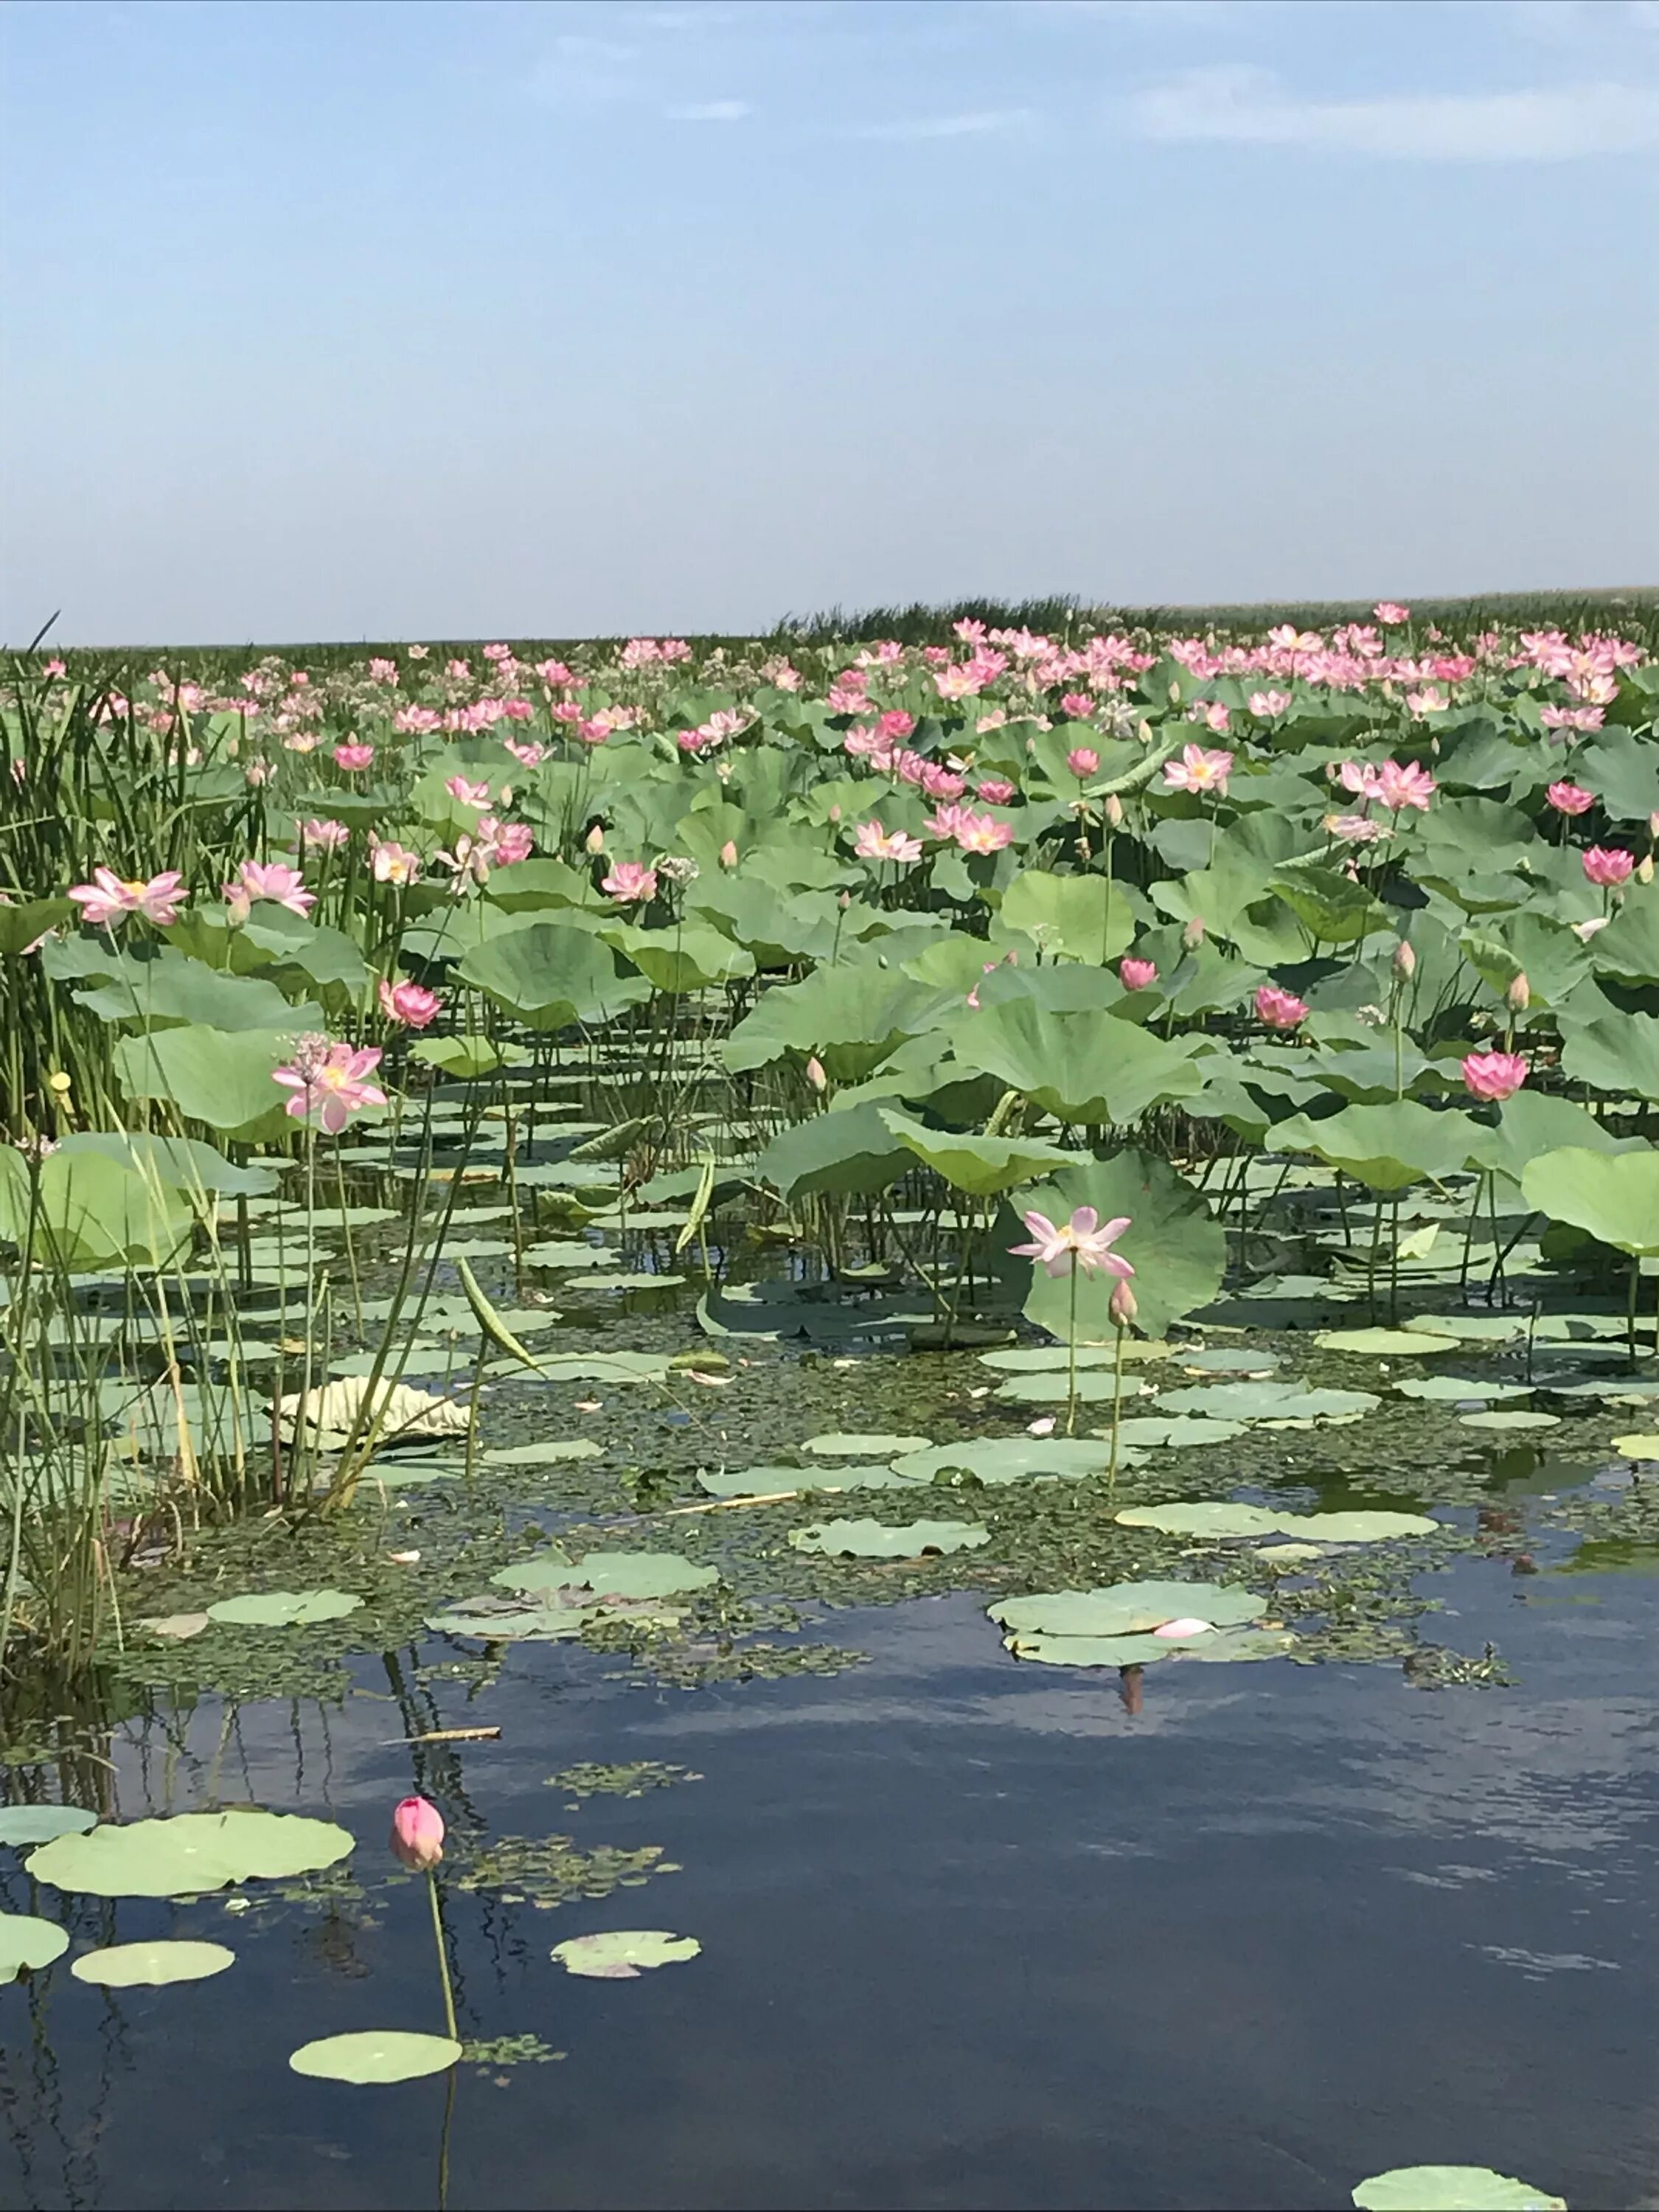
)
(417, 1834)
(1121, 1305)
(729, 854)
(1113, 810)
(834, 814)
(1404, 961)
(1518, 997)
(1644, 870)
(1653, 825)
(595, 840)
(1193, 936)
(815, 1074)
(844, 901)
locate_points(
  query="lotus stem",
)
(443, 1956)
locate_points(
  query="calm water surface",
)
(974, 1935)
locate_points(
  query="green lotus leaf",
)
(375, 2055)
(151, 1966)
(189, 1854)
(1451, 2189)
(873, 1539)
(221, 1076)
(284, 1608)
(1219, 1644)
(1386, 1147)
(623, 1955)
(839, 1446)
(1379, 1343)
(1217, 1519)
(984, 1167)
(1077, 1066)
(544, 1455)
(1266, 1401)
(1536, 1122)
(1510, 1419)
(1448, 1389)
(849, 1151)
(1084, 917)
(1006, 1459)
(1614, 1196)
(23, 1825)
(1127, 1609)
(777, 1481)
(27, 1943)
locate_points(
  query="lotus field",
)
(822, 1124)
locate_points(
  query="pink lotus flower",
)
(281, 885)
(530, 756)
(1084, 761)
(1391, 614)
(325, 836)
(353, 757)
(513, 841)
(1402, 784)
(1280, 1010)
(107, 899)
(1355, 829)
(1265, 704)
(1569, 798)
(392, 863)
(1136, 975)
(1494, 1074)
(409, 1005)
(629, 881)
(417, 1834)
(383, 672)
(1426, 700)
(981, 833)
(328, 1082)
(995, 790)
(875, 844)
(1083, 1242)
(1211, 713)
(1606, 865)
(469, 795)
(1198, 770)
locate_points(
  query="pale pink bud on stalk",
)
(1653, 825)
(729, 854)
(594, 841)
(1518, 997)
(1121, 1305)
(1644, 869)
(1113, 810)
(417, 1834)
(1404, 961)
(1193, 936)
(815, 1074)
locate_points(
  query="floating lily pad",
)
(1476, 1328)
(1207, 1518)
(774, 1482)
(1222, 1644)
(568, 1257)
(375, 2055)
(625, 1954)
(872, 1540)
(1380, 1343)
(1451, 2189)
(23, 1825)
(1007, 1459)
(516, 1618)
(284, 1608)
(1126, 1608)
(1049, 1386)
(177, 1627)
(544, 1455)
(152, 1966)
(1451, 1390)
(190, 1854)
(1229, 1359)
(1289, 1554)
(26, 1941)
(1510, 1419)
(1636, 1447)
(838, 1446)
(1265, 1401)
(1358, 1527)
(1048, 1359)
(1172, 1432)
(642, 1574)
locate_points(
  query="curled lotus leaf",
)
(284, 1608)
(27, 1943)
(874, 1539)
(190, 1854)
(330, 1413)
(375, 2055)
(151, 1966)
(624, 1953)
(1451, 2189)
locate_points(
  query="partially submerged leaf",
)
(873, 1539)
(28, 1942)
(624, 1953)
(284, 1608)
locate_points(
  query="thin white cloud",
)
(711, 110)
(1247, 107)
(983, 121)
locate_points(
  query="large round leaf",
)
(1077, 1066)
(23, 1825)
(1385, 1147)
(624, 1953)
(152, 1966)
(1451, 2189)
(375, 2055)
(28, 1942)
(1176, 1248)
(983, 1166)
(874, 1539)
(190, 1854)
(284, 1608)
(1614, 1196)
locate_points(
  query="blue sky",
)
(518, 317)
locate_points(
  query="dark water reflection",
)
(974, 1935)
